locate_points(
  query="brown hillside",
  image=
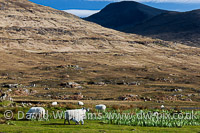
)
(37, 45)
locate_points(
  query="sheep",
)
(101, 107)
(3, 96)
(76, 115)
(80, 103)
(55, 103)
(35, 112)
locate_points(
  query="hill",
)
(133, 17)
(183, 27)
(55, 55)
(120, 15)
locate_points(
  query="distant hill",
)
(133, 17)
(123, 14)
(182, 27)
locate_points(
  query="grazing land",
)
(49, 56)
(91, 125)
(57, 126)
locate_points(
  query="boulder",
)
(71, 85)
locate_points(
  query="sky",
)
(84, 8)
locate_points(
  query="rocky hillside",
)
(55, 55)
(25, 25)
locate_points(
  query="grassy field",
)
(57, 125)
(90, 126)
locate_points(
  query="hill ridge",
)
(182, 27)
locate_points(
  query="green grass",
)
(150, 120)
(57, 126)
(5, 103)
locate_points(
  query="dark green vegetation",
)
(147, 118)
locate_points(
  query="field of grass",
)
(57, 126)
(91, 125)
